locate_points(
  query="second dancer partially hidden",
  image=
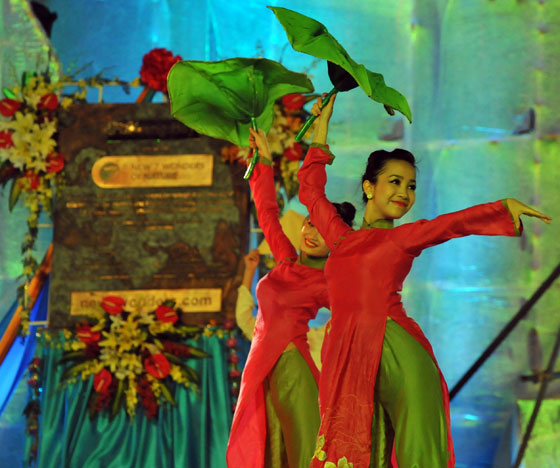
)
(380, 383)
(277, 416)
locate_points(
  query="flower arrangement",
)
(133, 356)
(289, 116)
(29, 156)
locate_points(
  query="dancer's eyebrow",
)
(401, 177)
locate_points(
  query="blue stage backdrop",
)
(481, 78)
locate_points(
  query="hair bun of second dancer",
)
(347, 211)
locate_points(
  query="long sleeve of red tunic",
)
(264, 194)
(312, 180)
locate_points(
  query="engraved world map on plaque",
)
(149, 211)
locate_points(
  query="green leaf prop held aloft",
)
(222, 99)
(311, 37)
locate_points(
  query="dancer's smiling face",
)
(311, 242)
(393, 193)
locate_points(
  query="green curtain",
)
(193, 434)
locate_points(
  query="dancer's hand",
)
(324, 114)
(258, 139)
(322, 122)
(516, 208)
(252, 260)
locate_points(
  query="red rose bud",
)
(36, 361)
(229, 324)
(157, 365)
(8, 107)
(235, 391)
(33, 180)
(166, 314)
(102, 380)
(32, 382)
(113, 304)
(48, 102)
(294, 152)
(6, 139)
(55, 162)
(234, 374)
(234, 358)
(293, 102)
(84, 334)
(231, 342)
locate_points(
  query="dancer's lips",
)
(400, 203)
(310, 244)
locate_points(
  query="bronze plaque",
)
(148, 210)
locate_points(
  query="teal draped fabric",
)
(194, 434)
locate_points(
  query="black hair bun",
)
(347, 211)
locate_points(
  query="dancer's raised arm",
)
(264, 194)
(312, 179)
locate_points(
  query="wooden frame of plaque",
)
(149, 211)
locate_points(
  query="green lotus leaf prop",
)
(311, 37)
(222, 99)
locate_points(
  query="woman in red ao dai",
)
(277, 415)
(382, 396)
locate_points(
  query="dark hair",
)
(346, 211)
(378, 159)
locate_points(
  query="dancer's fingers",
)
(528, 211)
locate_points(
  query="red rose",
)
(294, 152)
(6, 139)
(234, 358)
(33, 180)
(157, 365)
(102, 380)
(113, 304)
(55, 162)
(166, 314)
(8, 107)
(84, 333)
(229, 324)
(234, 374)
(155, 68)
(293, 102)
(33, 382)
(231, 342)
(48, 102)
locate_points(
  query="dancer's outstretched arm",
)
(500, 218)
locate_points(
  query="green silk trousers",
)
(408, 405)
(292, 412)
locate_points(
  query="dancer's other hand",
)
(251, 264)
(252, 260)
(257, 139)
(517, 209)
